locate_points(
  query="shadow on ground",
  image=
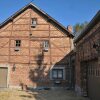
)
(55, 94)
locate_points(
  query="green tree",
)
(78, 27)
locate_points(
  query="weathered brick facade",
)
(87, 60)
(31, 65)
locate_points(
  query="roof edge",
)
(88, 27)
(32, 5)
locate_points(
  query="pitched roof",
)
(92, 23)
(41, 12)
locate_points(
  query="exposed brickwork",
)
(25, 61)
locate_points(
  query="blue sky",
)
(67, 12)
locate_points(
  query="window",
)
(34, 22)
(46, 45)
(17, 45)
(57, 73)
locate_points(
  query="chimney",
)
(70, 28)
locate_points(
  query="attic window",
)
(34, 22)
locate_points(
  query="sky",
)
(67, 12)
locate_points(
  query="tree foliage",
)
(79, 26)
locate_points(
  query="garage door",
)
(3, 77)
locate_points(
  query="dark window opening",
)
(18, 43)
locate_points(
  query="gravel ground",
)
(58, 94)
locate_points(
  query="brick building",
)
(88, 60)
(32, 46)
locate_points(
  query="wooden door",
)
(3, 77)
(94, 80)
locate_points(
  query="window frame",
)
(57, 71)
(32, 22)
(46, 45)
(17, 43)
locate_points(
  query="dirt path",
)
(39, 95)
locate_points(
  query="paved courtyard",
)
(39, 95)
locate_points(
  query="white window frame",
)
(34, 22)
(46, 45)
(17, 45)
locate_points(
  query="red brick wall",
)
(24, 60)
